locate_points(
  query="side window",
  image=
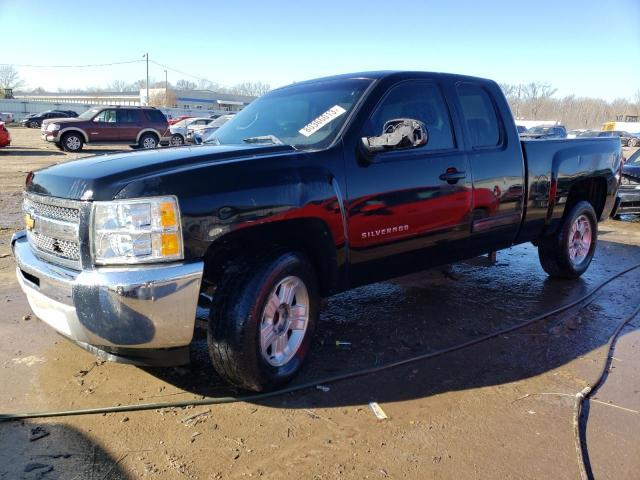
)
(480, 115)
(127, 116)
(155, 116)
(418, 100)
(106, 116)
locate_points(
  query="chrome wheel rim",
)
(580, 239)
(284, 322)
(176, 140)
(73, 143)
(149, 143)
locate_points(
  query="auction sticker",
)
(327, 117)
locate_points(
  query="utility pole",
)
(166, 87)
(146, 55)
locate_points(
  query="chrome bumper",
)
(136, 307)
(629, 201)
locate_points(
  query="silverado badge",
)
(29, 221)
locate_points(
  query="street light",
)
(146, 55)
(166, 87)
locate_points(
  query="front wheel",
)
(72, 142)
(263, 320)
(176, 140)
(569, 252)
(633, 142)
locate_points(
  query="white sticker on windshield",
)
(328, 116)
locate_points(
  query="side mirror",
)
(197, 139)
(399, 133)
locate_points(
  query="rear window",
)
(480, 115)
(127, 116)
(156, 116)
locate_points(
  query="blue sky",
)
(587, 47)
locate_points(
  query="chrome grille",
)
(60, 248)
(55, 225)
(56, 212)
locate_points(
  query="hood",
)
(632, 170)
(63, 120)
(101, 177)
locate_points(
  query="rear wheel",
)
(72, 142)
(148, 140)
(568, 253)
(633, 142)
(263, 320)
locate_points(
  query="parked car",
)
(6, 117)
(199, 133)
(173, 121)
(629, 192)
(521, 129)
(180, 130)
(5, 136)
(626, 139)
(575, 133)
(312, 189)
(588, 134)
(143, 127)
(545, 132)
(35, 119)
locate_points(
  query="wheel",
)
(569, 252)
(72, 142)
(633, 142)
(262, 322)
(176, 140)
(32, 125)
(148, 140)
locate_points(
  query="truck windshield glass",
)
(305, 116)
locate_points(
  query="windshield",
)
(635, 158)
(539, 130)
(304, 116)
(89, 113)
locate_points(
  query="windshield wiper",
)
(264, 139)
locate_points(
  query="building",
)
(198, 100)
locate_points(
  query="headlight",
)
(136, 231)
(53, 126)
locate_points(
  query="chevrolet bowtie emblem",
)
(29, 221)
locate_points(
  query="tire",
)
(569, 252)
(72, 142)
(148, 141)
(176, 140)
(32, 125)
(247, 333)
(633, 142)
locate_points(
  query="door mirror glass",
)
(400, 133)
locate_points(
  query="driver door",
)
(409, 208)
(104, 127)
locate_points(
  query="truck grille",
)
(55, 229)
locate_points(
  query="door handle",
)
(452, 175)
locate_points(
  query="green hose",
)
(5, 417)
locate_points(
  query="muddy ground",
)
(500, 409)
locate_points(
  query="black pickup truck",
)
(312, 189)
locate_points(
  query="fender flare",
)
(148, 130)
(73, 129)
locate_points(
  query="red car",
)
(5, 136)
(178, 119)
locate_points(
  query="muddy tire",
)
(568, 253)
(72, 142)
(262, 321)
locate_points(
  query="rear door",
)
(497, 165)
(128, 124)
(408, 208)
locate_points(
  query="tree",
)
(252, 89)
(118, 86)
(183, 84)
(537, 93)
(10, 78)
(158, 99)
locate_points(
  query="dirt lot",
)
(500, 409)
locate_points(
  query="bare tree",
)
(536, 94)
(253, 89)
(10, 78)
(158, 98)
(118, 86)
(636, 99)
(183, 84)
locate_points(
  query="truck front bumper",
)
(629, 200)
(138, 314)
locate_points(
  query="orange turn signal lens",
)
(167, 214)
(169, 244)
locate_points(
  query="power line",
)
(70, 66)
(178, 71)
